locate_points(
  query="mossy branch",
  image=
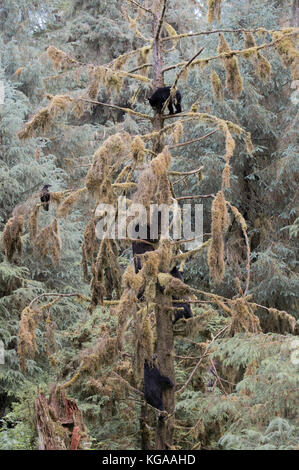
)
(54, 294)
(181, 173)
(198, 196)
(126, 110)
(215, 31)
(232, 53)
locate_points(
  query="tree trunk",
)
(164, 350)
(164, 329)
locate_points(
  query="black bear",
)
(45, 196)
(187, 312)
(159, 97)
(154, 383)
(140, 247)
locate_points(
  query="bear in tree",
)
(141, 247)
(45, 196)
(159, 97)
(154, 383)
(187, 312)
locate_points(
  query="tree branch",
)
(192, 141)
(54, 294)
(181, 173)
(200, 33)
(126, 110)
(128, 385)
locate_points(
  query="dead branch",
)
(200, 33)
(192, 141)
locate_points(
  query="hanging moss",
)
(234, 82)
(214, 10)
(217, 87)
(264, 68)
(220, 222)
(70, 201)
(48, 242)
(11, 237)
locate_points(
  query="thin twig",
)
(181, 173)
(141, 6)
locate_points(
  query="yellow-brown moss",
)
(220, 220)
(217, 87)
(234, 82)
(69, 202)
(59, 58)
(214, 10)
(47, 242)
(26, 338)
